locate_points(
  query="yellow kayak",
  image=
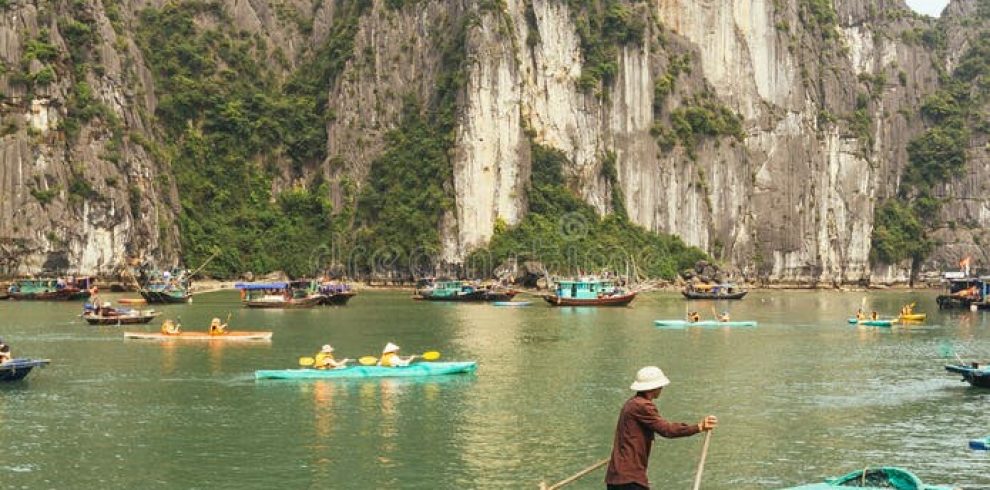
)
(914, 317)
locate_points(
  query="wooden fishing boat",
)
(231, 336)
(589, 292)
(713, 291)
(883, 478)
(165, 293)
(880, 322)
(119, 317)
(335, 294)
(974, 374)
(16, 369)
(279, 295)
(980, 444)
(413, 370)
(51, 289)
(678, 324)
(459, 291)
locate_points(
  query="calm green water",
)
(802, 397)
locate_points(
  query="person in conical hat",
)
(217, 328)
(324, 359)
(639, 420)
(391, 358)
(170, 327)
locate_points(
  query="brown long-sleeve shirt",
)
(638, 422)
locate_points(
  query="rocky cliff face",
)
(826, 97)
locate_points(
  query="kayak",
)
(512, 303)
(914, 317)
(16, 369)
(232, 336)
(980, 444)
(883, 322)
(417, 369)
(702, 323)
(883, 478)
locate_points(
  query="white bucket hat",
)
(649, 378)
(327, 348)
(390, 347)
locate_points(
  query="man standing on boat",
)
(639, 421)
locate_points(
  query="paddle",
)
(945, 350)
(701, 464)
(365, 361)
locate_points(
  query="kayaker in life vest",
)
(5, 354)
(874, 316)
(391, 358)
(724, 317)
(171, 328)
(639, 421)
(324, 359)
(217, 328)
(693, 317)
(860, 314)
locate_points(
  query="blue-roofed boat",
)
(589, 292)
(975, 374)
(296, 294)
(416, 369)
(16, 369)
(882, 478)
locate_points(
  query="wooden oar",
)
(701, 464)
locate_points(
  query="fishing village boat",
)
(963, 291)
(297, 294)
(167, 287)
(231, 336)
(703, 323)
(589, 292)
(460, 291)
(713, 291)
(118, 316)
(335, 293)
(413, 370)
(879, 322)
(974, 374)
(886, 478)
(51, 289)
(980, 444)
(16, 369)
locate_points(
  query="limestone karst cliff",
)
(768, 132)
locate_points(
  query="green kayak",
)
(883, 478)
(883, 322)
(704, 323)
(417, 369)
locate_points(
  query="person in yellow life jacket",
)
(860, 314)
(874, 316)
(391, 358)
(724, 317)
(5, 354)
(324, 359)
(217, 328)
(171, 328)
(693, 317)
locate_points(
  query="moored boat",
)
(283, 295)
(16, 369)
(703, 323)
(980, 444)
(975, 374)
(885, 478)
(168, 287)
(461, 291)
(335, 293)
(713, 291)
(964, 291)
(105, 315)
(413, 370)
(880, 322)
(51, 289)
(232, 336)
(589, 292)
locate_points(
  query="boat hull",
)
(618, 300)
(290, 304)
(337, 299)
(704, 323)
(883, 478)
(228, 337)
(980, 444)
(93, 319)
(473, 297)
(872, 323)
(17, 369)
(976, 376)
(62, 295)
(701, 295)
(162, 297)
(414, 370)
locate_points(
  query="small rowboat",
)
(704, 323)
(883, 478)
(512, 303)
(417, 369)
(974, 375)
(130, 318)
(980, 444)
(883, 322)
(914, 317)
(229, 336)
(16, 369)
